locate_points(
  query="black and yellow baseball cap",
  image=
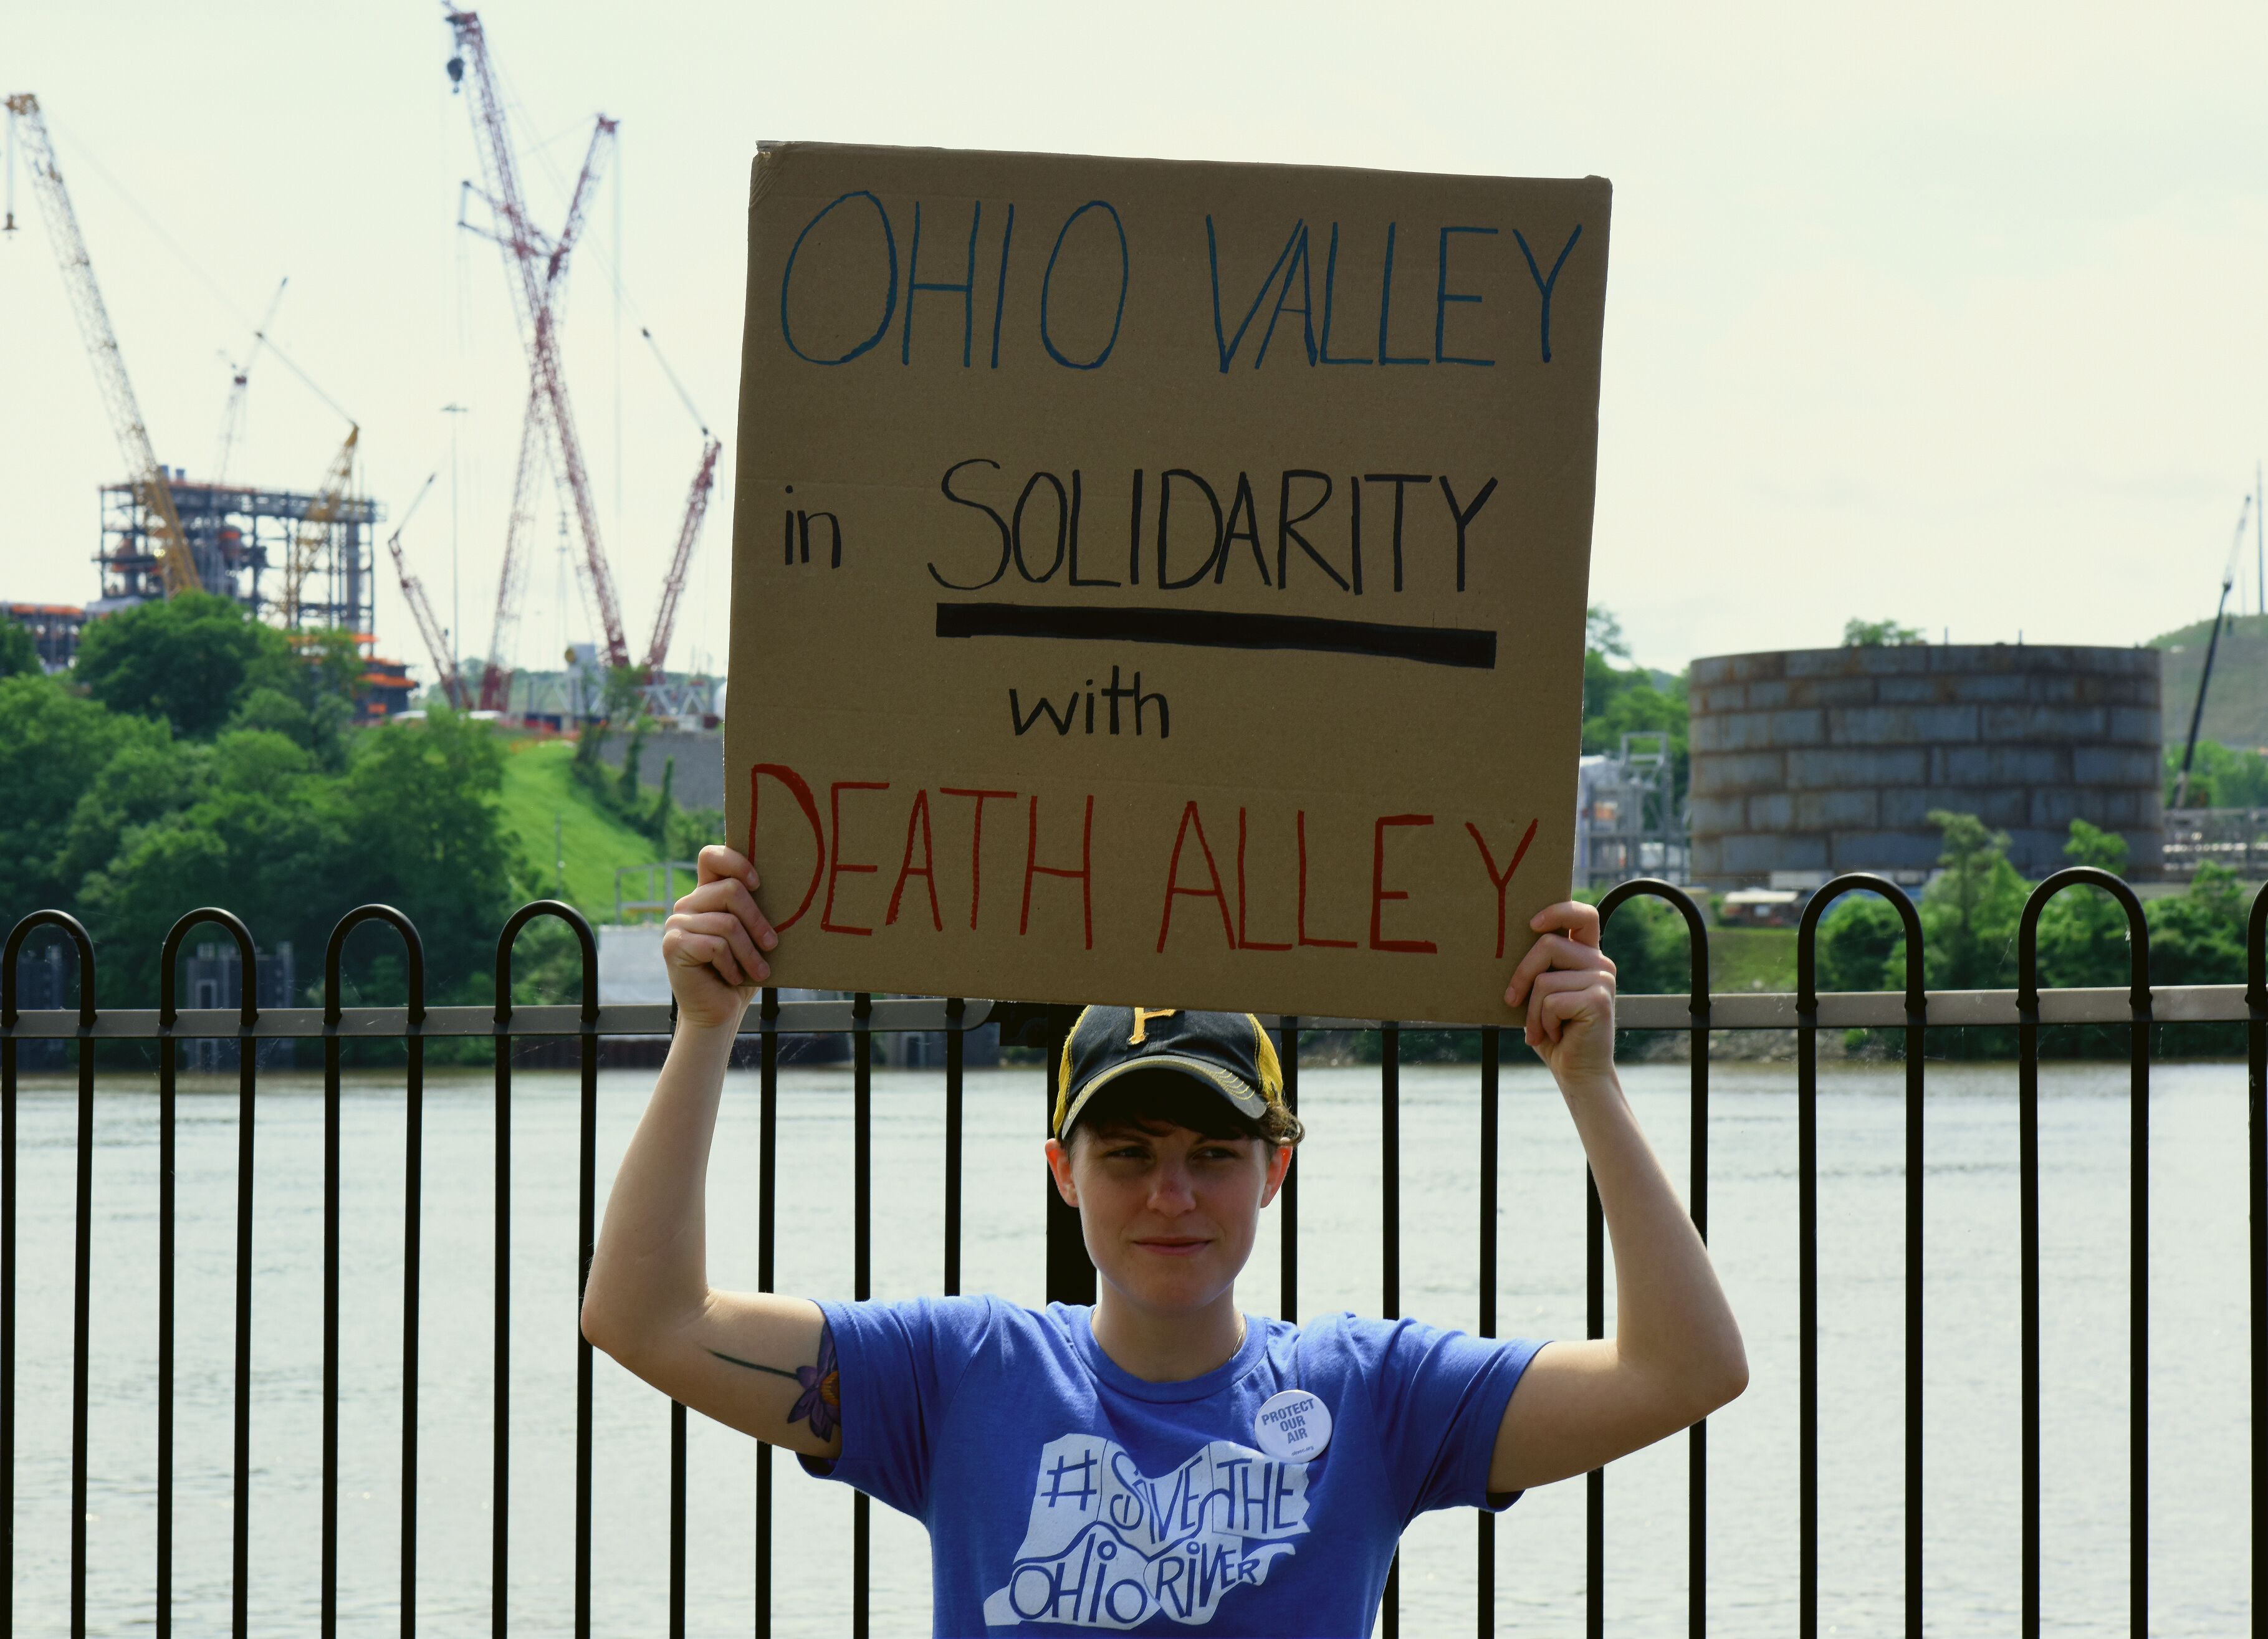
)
(1227, 1052)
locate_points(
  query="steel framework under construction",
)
(305, 558)
(161, 533)
(243, 539)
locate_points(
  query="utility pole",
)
(454, 412)
(2259, 551)
(559, 592)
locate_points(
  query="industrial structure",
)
(1629, 821)
(305, 558)
(300, 558)
(296, 557)
(535, 267)
(55, 628)
(1813, 761)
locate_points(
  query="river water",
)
(2198, 1324)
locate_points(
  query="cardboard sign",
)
(1161, 583)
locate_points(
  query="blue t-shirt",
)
(1063, 1494)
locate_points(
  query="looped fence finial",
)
(1697, 929)
(169, 1011)
(333, 951)
(83, 946)
(510, 936)
(1806, 938)
(2027, 934)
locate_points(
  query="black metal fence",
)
(1914, 1011)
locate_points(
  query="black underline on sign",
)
(1215, 628)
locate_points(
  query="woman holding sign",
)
(1161, 1461)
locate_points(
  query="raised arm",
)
(758, 1362)
(1675, 1355)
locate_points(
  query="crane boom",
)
(697, 508)
(496, 682)
(70, 245)
(307, 544)
(2204, 677)
(412, 593)
(231, 418)
(527, 254)
(512, 579)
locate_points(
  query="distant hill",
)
(544, 807)
(2236, 706)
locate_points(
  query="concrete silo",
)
(1807, 763)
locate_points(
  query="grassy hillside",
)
(539, 789)
(2236, 708)
(1753, 959)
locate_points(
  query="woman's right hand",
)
(714, 940)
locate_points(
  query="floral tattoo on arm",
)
(820, 1402)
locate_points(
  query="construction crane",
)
(2204, 677)
(412, 593)
(322, 511)
(529, 256)
(231, 418)
(179, 567)
(697, 508)
(496, 682)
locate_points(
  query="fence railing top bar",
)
(1742, 1011)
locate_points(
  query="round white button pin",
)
(1293, 1426)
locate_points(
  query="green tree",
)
(691, 830)
(150, 776)
(1647, 943)
(2221, 776)
(1862, 945)
(1633, 702)
(424, 827)
(188, 660)
(114, 818)
(2197, 937)
(626, 783)
(1969, 912)
(1858, 634)
(1619, 700)
(624, 701)
(2083, 936)
(306, 692)
(255, 823)
(1604, 633)
(53, 746)
(264, 839)
(19, 655)
(657, 818)
(317, 727)
(329, 667)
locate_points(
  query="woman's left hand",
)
(1567, 984)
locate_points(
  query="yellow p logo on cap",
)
(1142, 1018)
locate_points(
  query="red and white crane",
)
(534, 262)
(697, 508)
(412, 593)
(512, 580)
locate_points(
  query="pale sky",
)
(1947, 313)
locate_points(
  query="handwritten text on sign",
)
(1070, 492)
